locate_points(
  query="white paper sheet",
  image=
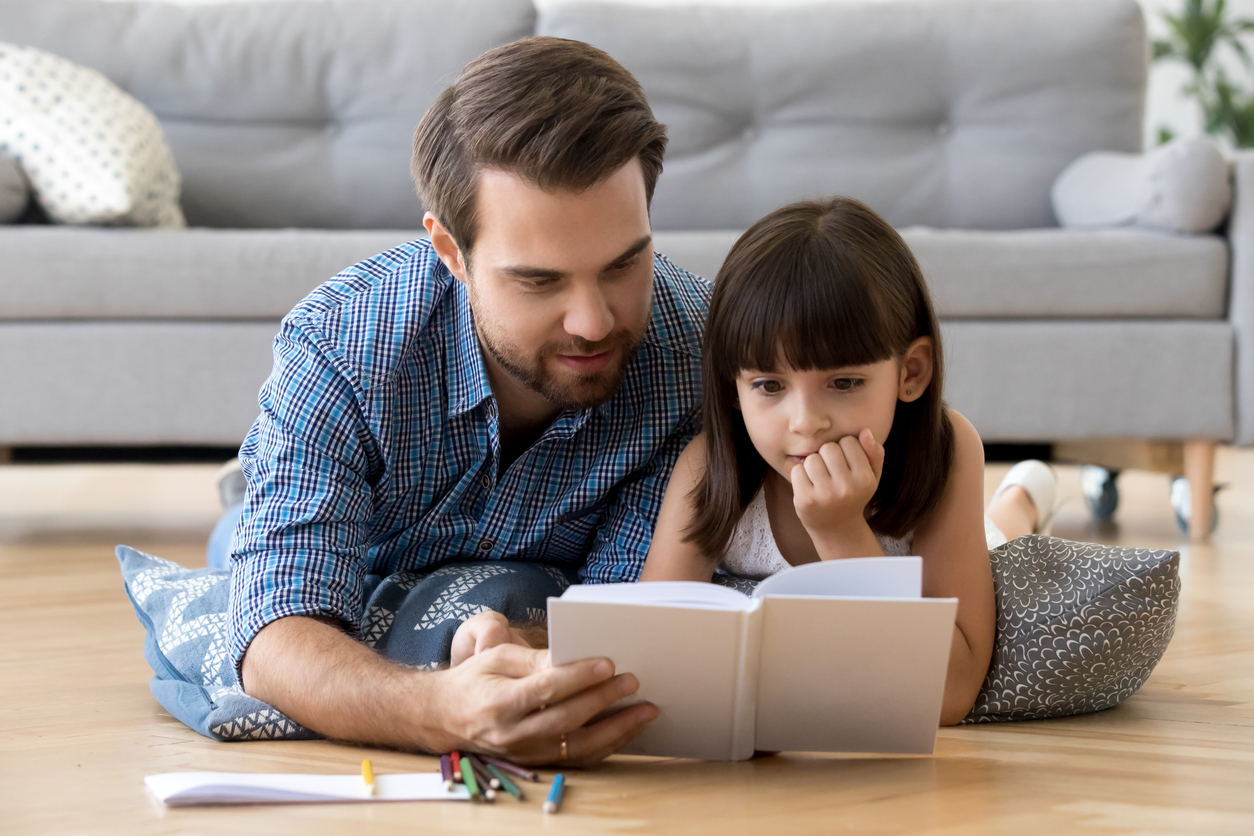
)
(178, 789)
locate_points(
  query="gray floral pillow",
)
(1080, 626)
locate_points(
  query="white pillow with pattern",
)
(92, 153)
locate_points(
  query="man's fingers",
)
(595, 743)
(574, 711)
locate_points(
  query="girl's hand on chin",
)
(831, 489)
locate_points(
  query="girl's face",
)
(790, 414)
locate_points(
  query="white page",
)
(875, 577)
(687, 660)
(852, 674)
(204, 788)
(661, 593)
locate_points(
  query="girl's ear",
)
(916, 370)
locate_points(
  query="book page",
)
(662, 593)
(874, 577)
(687, 660)
(852, 674)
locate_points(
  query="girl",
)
(826, 434)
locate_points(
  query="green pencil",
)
(472, 786)
(506, 784)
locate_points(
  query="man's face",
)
(560, 283)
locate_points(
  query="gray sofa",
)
(291, 124)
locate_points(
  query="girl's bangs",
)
(804, 320)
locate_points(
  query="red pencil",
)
(455, 760)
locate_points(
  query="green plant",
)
(1196, 37)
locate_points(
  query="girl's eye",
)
(769, 387)
(847, 384)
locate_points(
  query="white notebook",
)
(178, 789)
(836, 656)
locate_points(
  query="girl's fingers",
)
(874, 452)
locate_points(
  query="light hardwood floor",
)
(79, 728)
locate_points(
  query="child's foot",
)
(1024, 502)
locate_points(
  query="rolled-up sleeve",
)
(301, 547)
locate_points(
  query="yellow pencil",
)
(367, 775)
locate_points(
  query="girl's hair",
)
(819, 284)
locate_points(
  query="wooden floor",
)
(79, 729)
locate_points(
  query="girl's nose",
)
(806, 417)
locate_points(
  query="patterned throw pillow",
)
(1080, 626)
(410, 617)
(92, 153)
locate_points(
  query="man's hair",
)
(559, 113)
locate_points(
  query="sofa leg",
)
(1199, 469)
(6, 454)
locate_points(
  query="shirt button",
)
(485, 545)
(486, 481)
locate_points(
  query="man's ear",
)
(445, 247)
(916, 370)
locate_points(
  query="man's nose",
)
(588, 314)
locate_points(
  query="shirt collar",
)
(468, 379)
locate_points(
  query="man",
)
(517, 388)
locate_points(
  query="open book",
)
(837, 656)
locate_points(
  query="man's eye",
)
(769, 387)
(624, 266)
(846, 384)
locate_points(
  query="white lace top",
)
(752, 552)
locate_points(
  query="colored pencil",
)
(554, 802)
(506, 784)
(456, 761)
(512, 769)
(446, 769)
(367, 775)
(485, 778)
(468, 778)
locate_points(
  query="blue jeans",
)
(218, 552)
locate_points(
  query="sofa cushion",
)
(1037, 274)
(1054, 273)
(206, 274)
(281, 114)
(92, 154)
(954, 114)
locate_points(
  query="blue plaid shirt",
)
(377, 446)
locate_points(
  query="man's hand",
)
(511, 702)
(482, 632)
(832, 487)
(505, 700)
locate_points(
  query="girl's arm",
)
(956, 565)
(670, 557)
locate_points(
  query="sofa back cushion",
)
(948, 114)
(281, 114)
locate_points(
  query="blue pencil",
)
(554, 802)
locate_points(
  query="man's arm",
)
(505, 701)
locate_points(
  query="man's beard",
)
(573, 391)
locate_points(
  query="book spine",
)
(745, 708)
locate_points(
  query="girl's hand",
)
(831, 489)
(481, 632)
